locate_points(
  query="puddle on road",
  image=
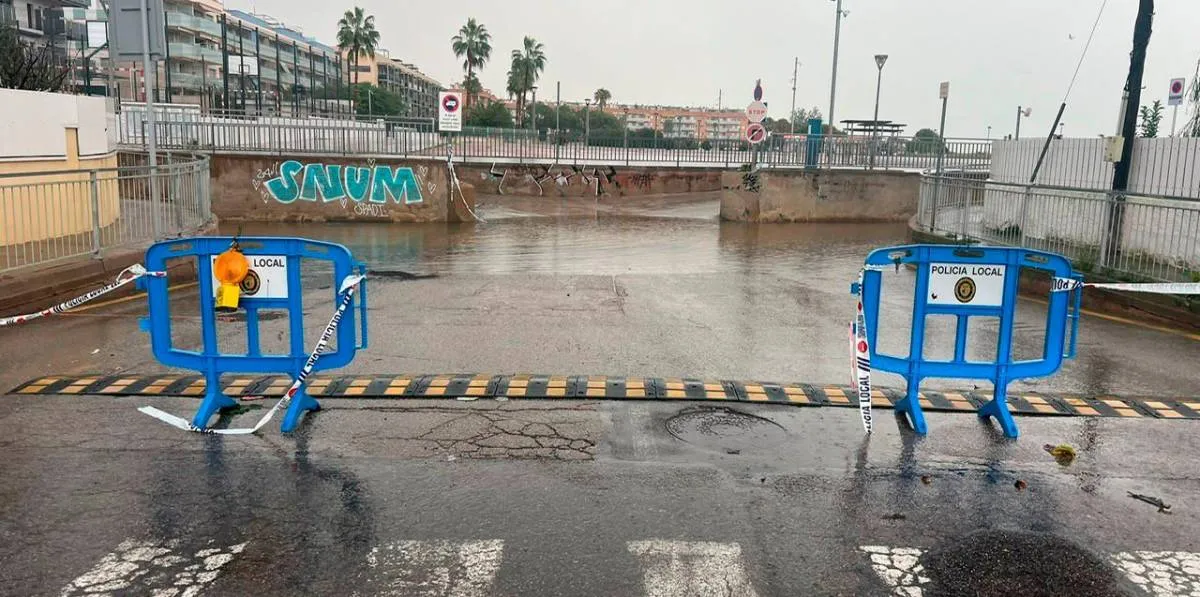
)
(725, 430)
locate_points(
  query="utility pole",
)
(719, 92)
(1133, 98)
(837, 32)
(792, 114)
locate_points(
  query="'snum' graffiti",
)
(335, 182)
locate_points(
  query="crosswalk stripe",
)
(899, 567)
(1161, 573)
(692, 569)
(435, 568)
(1158, 573)
(155, 566)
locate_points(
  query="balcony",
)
(186, 51)
(193, 23)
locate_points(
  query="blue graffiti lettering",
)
(322, 181)
(334, 182)
(399, 183)
(358, 181)
(283, 187)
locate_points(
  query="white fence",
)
(1167, 167)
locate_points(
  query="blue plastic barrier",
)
(275, 284)
(968, 282)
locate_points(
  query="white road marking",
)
(436, 568)
(1162, 573)
(154, 566)
(692, 569)
(899, 568)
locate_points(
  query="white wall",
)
(1163, 166)
(32, 125)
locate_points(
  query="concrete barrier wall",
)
(539, 180)
(819, 196)
(321, 188)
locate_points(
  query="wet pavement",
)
(571, 498)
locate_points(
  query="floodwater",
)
(782, 289)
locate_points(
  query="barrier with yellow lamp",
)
(254, 275)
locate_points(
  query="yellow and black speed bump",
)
(470, 386)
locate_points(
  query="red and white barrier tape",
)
(126, 276)
(1068, 284)
(347, 291)
(861, 367)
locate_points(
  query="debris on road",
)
(1020, 485)
(1153, 501)
(1064, 454)
(926, 479)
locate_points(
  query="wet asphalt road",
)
(569, 498)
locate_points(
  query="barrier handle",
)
(361, 268)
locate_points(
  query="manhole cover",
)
(1010, 563)
(725, 429)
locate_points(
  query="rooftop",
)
(269, 22)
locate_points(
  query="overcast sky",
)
(997, 54)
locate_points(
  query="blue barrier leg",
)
(998, 409)
(300, 402)
(910, 405)
(214, 400)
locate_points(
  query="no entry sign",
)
(755, 133)
(1175, 94)
(449, 112)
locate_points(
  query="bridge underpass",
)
(379, 497)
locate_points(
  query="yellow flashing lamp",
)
(230, 269)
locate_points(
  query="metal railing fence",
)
(401, 139)
(55, 215)
(1131, 236)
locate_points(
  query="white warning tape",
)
(861, 367)
(1067, 284)
(126, 276)
(347, 292)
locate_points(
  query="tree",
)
(474, 45)
(1191, 128)
(602, 96)
(357, 37)
(1151, 116)
(30, 66)
(491, 114)
(527, 65)
(369, 99)
(926, 141)
(802, 116)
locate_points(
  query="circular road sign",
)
(756, 111)
(1177, 87)
(450, 103)
(756, 133)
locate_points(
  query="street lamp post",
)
(535, 109)
(587, 122)
(837, 32)
(989, 136)
(880, 60)
(625, 126)
(1021, 111)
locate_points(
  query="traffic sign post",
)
(756, 133)
(449, 112)
(756, 111)
(1174, 98)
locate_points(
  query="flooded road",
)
(697, 296)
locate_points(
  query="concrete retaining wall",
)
(819, 196)
(309, 188)
(540, 180)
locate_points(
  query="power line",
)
(1085, 50)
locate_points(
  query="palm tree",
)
(602, 96)
(527, 65)
(357, 37)
(474, 44)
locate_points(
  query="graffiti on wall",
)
(369, 189)
(599, 181)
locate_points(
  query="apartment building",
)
(38, 20)
(680, 122)
(419, 90)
